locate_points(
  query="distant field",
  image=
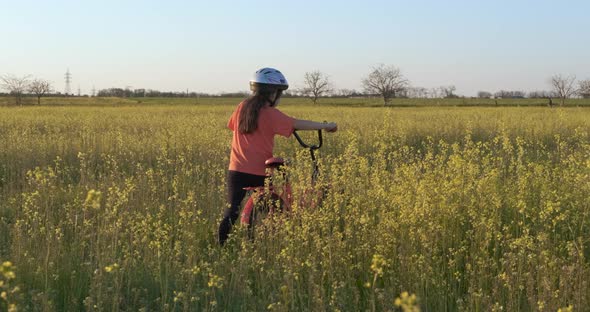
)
(111, 204)
(370, 102)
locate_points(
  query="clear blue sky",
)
(214, 46)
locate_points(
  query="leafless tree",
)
(584, 90)
(541, 94)
(507, 94)
(484, 94)
(563, 86)
(316, 85)
(16, 86)
(40, 87)
(435, 93)
(448, 91)
(346, 92)
(422, 92)
(417, 92)
(386, 81)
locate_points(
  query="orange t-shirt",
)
(250, 151)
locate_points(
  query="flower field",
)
(106, 208)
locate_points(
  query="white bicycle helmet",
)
(268, 78)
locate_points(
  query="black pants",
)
(236, 182)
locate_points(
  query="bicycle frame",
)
(270, 196)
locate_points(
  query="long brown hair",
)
(248, 120)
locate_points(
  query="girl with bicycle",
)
(254, 123)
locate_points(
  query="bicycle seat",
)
(274, 162)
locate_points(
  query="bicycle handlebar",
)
(311, 147)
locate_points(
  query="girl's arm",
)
(312, 125)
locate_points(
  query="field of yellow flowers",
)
(108, 208)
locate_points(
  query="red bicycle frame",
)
(280, 198)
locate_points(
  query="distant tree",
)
(17, 86)
(435, 93)
(518, 94)
(139, 93)
(386, 81)
(584, 90)
(128, 92)
(449, 91)
(40, 87)
(153, 93)
(316, 84)
(541, 94)
(112, 92)
(510, 94)
(346, 92)
(484, 95)
(417, 92)
(563, 86)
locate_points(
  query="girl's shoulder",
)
(270, 110)
(274, 113)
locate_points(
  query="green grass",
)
(468, 208)
(353, 102)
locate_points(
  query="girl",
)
(254, 124)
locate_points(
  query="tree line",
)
(385, 81)
(389, 83)
(21, 86)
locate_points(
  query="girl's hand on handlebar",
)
(331, 127)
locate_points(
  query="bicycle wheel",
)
(259, 208)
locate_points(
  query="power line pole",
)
(93, 91)
(68, 77)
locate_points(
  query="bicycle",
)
(266, 200)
